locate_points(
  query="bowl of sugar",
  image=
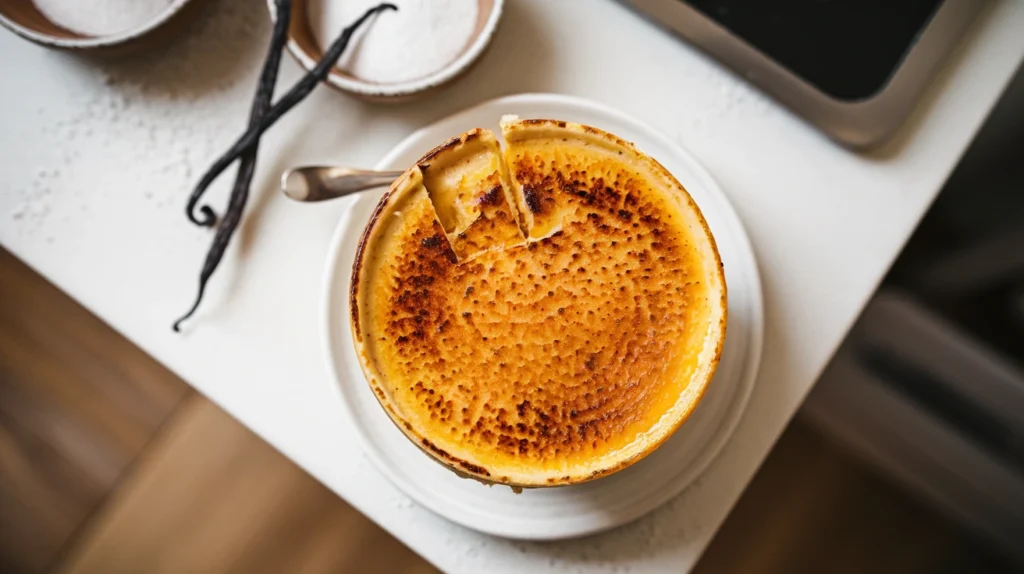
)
(107, 26)
(400, 54)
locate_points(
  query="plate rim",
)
(750, 364)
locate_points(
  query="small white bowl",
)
(24, 19)
(304, 47)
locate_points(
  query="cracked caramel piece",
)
(550, 357)
(467, 184)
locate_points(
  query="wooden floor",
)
(110, 464)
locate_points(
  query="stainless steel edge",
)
(858, 124)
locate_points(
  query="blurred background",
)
(908, 456)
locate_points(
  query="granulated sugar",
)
(101, 17)
(422, 37)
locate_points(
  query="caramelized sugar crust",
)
(550, 355)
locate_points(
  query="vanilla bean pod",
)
(298, 93)
(260, 105)
(246, 146)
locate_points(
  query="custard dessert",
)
(538, 315)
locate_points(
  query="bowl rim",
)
(409, 87)
(86, 42)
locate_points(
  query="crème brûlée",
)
(540, 315)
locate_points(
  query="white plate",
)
(563, 512)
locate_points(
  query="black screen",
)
(846, 48)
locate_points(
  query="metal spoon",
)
(317, 183)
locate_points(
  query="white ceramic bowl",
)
(578, 510)
(304, 47)
(24, 19)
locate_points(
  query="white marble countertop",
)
(96, 159)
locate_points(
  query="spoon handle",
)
(315, 183)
